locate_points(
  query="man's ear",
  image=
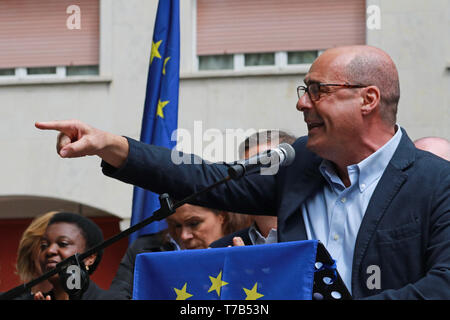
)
(370, 99)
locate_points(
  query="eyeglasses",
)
(313, 89)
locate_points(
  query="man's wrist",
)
(115, 151)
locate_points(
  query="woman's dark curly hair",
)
(89, 230)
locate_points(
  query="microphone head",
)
(288, 152)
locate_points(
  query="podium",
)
(298, 270)
(328, 284)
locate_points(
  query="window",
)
(37, 40)
(41, 70)
(216, 62)
(81, 71)
(264, 33)
(302, 57)
(259, 59)
(7, 72)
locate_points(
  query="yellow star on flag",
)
(253, 294)
(154, 52)
(164, 65)
(159, 109)
(182, 294)
(217, 283)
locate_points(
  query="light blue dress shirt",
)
(334, 214)
(257, 238)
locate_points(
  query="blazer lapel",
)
(388, 187)
(298, 187)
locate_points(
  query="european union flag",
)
(161, 103)
(274, 271)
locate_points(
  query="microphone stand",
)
(167, 208)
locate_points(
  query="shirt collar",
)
(373, 166)
(257, 238)
(173, 242)
(368, 170)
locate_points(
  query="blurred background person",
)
(27, 264)
(264, 228)
(195, 227)
(190, 227)
(436, 145)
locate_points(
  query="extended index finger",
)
(68, 127)
(60, 125)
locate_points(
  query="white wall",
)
(416, 35)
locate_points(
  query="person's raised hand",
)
(238, 242)
(77, 139)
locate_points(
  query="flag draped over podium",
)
(160, 116)
(275, 272)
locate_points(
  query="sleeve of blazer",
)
(156, 169)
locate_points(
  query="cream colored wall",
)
(416, 34)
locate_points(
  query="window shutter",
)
(34, 33)
(246, 26)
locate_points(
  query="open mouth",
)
(312, 126)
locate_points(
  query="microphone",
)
(270, 160)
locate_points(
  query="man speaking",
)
(376, 202)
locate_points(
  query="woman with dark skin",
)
(66, 235)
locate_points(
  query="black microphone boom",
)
(283, 155)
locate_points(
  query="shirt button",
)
(336, 237)
(343, 200)
(363, 185)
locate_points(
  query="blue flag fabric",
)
(281, 271)
(160, 116)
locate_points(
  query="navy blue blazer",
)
(227, 240)
(405, 231)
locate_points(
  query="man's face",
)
(334, 120)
